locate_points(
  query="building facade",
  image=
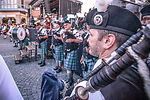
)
(14, 10)
(60, 7)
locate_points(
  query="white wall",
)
(87, 4)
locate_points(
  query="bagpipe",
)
(56, 42)
(103, 76)
(69, 46)
(40, 35)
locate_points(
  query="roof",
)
(35, 3)
(32, 2)
(14, 9)
(77, 1)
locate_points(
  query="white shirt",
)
(44, 31)
(77, 34)
(8, 87)
(27, 31)
(4, 28)
(96, 95)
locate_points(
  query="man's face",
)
(67, 26)
(95, 45)
(146, 20)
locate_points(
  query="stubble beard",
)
(93, 52)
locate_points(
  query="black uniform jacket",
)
(128, 86)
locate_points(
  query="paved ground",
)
(27, 75)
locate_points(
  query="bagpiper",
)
(42, 36)
(57, 45)
(87, 60)
(71, 60)
(110, 27)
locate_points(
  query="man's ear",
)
(109, 41)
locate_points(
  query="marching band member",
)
(57, 44)
(145, 11)
(15, 41)
(71, 60)
(24, 42)
(88, 61)
(5, 30)
(145, 15)
(1, 27)
(109, 28)
(43, 43)
(10, 30)
(28, 34)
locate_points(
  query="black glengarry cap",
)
(115, 19)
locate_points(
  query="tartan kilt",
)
(44, 47)
(90, 64)
(71, 62)
(59, 53)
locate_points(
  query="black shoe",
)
(59, 70)
(43, 64)
(20, 49)
(10, 40)
(67, 81)
(56, 68)
(15, 46)
(68, 85)
(39, 63)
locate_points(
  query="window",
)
(4, 4)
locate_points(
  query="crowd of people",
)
(68, 43)
(87, 45)
(107, 30)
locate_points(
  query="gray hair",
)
(121, 38)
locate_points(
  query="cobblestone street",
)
(27, 75)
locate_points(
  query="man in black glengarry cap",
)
(109, 29)
(57, 45)
(145, 15)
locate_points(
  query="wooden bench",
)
(35, 43)
(24, 53)
(18, 58)
(30, 47)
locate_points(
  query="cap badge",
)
(98, 19)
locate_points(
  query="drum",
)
(21, 34)
(14, 34)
